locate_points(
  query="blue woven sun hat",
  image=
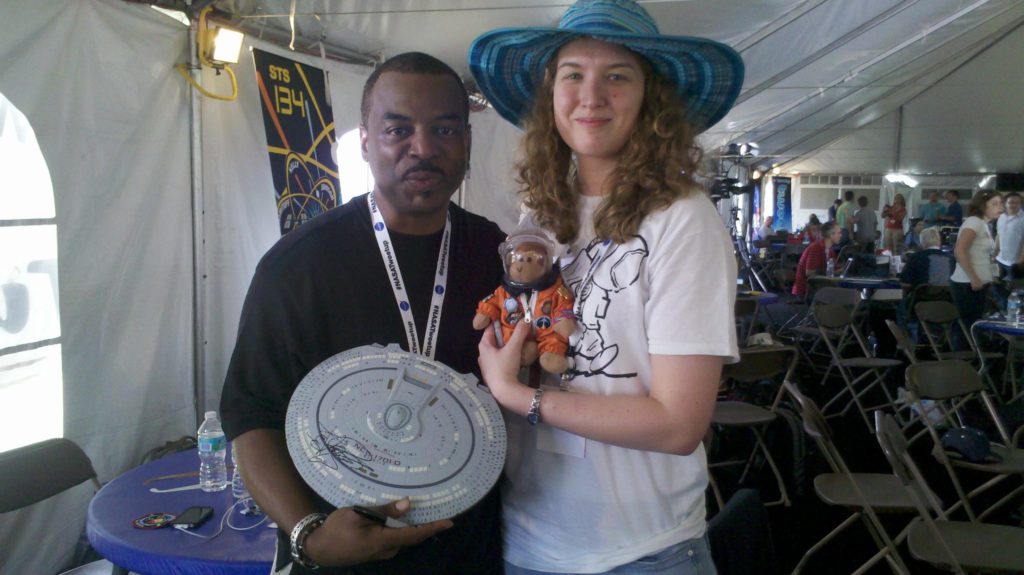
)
(508, 63)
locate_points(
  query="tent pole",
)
(198, 233)
(899, 140)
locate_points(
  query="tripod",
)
(747, 270)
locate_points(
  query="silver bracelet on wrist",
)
(533, 416)
(300, 532)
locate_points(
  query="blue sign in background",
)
(783, 203)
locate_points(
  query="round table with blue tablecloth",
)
(167, 551)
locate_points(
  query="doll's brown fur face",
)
(527, 263)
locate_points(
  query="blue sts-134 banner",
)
(783, 203)
(300, 131)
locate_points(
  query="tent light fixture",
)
(227, 45)
(985, 181)
(216, 49)
(900, 178)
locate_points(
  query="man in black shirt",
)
(330, 286)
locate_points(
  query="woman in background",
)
(606, 471)
(975, 252)
(893, 230)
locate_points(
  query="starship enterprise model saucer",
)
(374, 424)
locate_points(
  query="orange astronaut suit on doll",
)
(550, 305)
(531, 291)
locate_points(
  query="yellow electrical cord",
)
(183, 70)
(204, 44)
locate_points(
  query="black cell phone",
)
(193, 517)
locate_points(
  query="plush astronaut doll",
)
(532, 291)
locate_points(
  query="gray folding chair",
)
(756, 364)
(903, 341)
(805, 334)
(745, 310)
(41, 470)
(859, 371)
(957, 546)
(906, 345)
(951, 386)
(865, 494)
(939, 320)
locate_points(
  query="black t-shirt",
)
(324, 289)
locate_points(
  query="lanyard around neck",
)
(387, 254)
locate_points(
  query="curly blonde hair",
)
(656, 165)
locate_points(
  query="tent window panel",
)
(869, 180)
(31, 395)
(817, 198)
(31, 381)
(819, 180)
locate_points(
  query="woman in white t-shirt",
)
(606, 470)
(975, 252)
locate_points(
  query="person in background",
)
(326, 288)
(865, 225)
(1010, 234)
(815, 258)
(892, 239)
(845, 217)
(954, 214)
(929, 265)
(933, 210)
(765, 231)
(975, 252)
(811, 232)
(606, 470)
(912, 241)
(832, 209)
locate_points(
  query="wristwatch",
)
(533, 416)
(300, 533)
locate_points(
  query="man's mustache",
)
(424, 167)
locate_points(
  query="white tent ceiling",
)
(148, 315)
(825, 83)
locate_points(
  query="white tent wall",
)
(96, 80)
(490, 189)
(241, 213)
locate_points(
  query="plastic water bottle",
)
(240, 492)
(830, 268)
(213, 450)
(238, 488)
(1013, 307)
